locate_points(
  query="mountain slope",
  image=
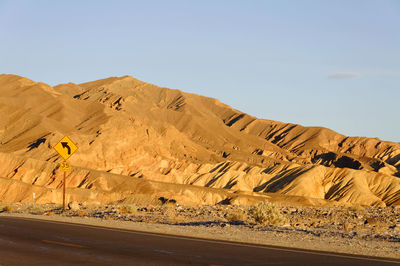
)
(140, 131)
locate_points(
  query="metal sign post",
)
(65, 167)
(65, 147)
(64, 192)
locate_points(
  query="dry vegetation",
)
(237, 216)
(130, 209)
(7, 208)
(348, 219)
(267, 213)
(361, 229)
(36, 209)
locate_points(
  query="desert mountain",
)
(138, 141)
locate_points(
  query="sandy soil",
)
(371, 231)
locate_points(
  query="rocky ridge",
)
(140, 141)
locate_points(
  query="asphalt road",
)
(35, 242)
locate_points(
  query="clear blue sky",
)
(316, 63)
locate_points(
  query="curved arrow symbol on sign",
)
(65, 145)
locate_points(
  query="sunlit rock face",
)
(138, 142)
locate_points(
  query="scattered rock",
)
(371, 221)
(347, 226)
(395, 227)
(73, 206)
(82, 213)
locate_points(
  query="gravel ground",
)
(372, 231)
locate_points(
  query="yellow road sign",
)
(65, 147)
(65, 166)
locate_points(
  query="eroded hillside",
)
(140, 141)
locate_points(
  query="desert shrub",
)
(266, 212)
(8, 208)
(82, 213)
(131, 209)
(36, 209)
(168, 210)
(165, 201)
(170, 214)
(355, 208)
(236, 216)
